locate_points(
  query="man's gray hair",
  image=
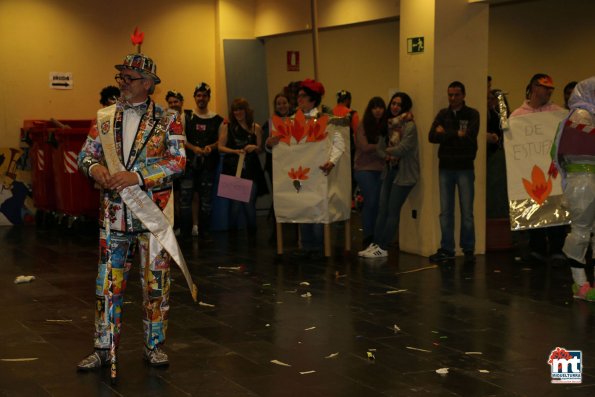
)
(150, 79)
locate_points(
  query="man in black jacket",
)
(455, 129)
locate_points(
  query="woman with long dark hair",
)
(367, 164)
(401, 151)
(242, 135)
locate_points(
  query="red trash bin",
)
(75, 193)
(40, 154)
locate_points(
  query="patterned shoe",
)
(370, 247)
(375, 252)
(583, 291)
(156, 357)
(98, 359)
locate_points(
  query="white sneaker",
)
(370, 247)
(195, 230)
(375, 253)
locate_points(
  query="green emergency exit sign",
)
(415, 45)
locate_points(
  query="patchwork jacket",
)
(157, 155)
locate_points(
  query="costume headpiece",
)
(313, 86)
(176, 94)
(139, 62)
(343, 95)
(542, 79)
(203, 87)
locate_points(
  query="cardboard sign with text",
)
(535, 198)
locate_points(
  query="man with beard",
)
(202, 133)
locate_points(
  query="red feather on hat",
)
(137, 38)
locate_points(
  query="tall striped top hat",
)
(142, 64)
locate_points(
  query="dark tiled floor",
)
(511, 313)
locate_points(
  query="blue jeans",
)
(392, 198)
(464, 180)
(369, 184)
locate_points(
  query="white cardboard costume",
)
(301, 191)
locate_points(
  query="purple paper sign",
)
(234, 188)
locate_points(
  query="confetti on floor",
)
(58, 321)
(418, 349)
(305, 284)
(229, 267)
(332, 355)
(307, 372)
(18, 360)
(309, 329)
(306, 295)
(484, 371)
(201, 303)
(442, 371)
(24, 279)
(396, 328)
(478, 353)
(281, 363)
(418, 270)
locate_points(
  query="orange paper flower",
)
(316, 129)
(299, 127)
(282, 129)
(538, 188)
(299, 174)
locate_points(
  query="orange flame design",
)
(299, 174)
(282, 129)
(299, 121)
(299, 127)
(316, 129)
(538, 188)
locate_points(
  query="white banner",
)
(535, 198)
(301, 191)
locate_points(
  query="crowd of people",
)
(139, 153)
(384, 162)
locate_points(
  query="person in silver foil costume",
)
(574, 156)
